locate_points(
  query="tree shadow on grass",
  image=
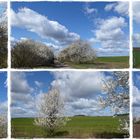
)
(110, 135)
(57, 134)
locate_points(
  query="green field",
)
(77, 127)
(104, 63)
(136, 58)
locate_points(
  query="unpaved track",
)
(136, 130)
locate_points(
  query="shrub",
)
(78, 52)
(29, 53)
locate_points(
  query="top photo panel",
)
(70, 35)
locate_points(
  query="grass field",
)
(77, 127)
(104, 63)
(136, 57)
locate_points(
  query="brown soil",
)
(136, 131)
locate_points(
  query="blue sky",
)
(136, 94)
(82, 19)
(136, 24)
(27, 88)
(3, 93)
(2, 6)
(3, 88)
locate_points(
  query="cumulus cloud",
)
(22, 99)
(80, 91)
(19, 83)
(89, 10)
(42, 26)
(136, 96)
(70, 87)
(110, 34)
(136, 40)
(136, 102)
(3, 108)
(38, 84)
(3, 13)
(136, 11)
(119, 7)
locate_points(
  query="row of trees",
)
(29, 53)
(51, 106)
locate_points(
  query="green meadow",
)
(136, 57)
(77, 127)
(104, 63)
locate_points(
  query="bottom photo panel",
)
(136, 104)
(3, 105)
(70, 104)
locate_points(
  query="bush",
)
(29, 53)
(3, 46)
(78, 52)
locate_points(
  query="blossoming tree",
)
(51, 112)
(116, 89)
(78, 52)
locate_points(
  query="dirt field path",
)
(137, 131)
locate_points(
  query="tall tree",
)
(51, 112)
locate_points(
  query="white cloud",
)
(19, 83)
(3, 13)
(42, 26)
(136, 11)
(136, 40)
(110, 6)
(136, 96)
(89, 10)
(39, 84)
(22, 99)
(73, 85)
(110, 34)
(3, 108)
(119, 7)
(136, 102)
(80, 91)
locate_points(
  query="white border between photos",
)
(130, 69)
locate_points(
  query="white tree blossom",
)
(51, 111)
(116, 89)
(78, 52)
